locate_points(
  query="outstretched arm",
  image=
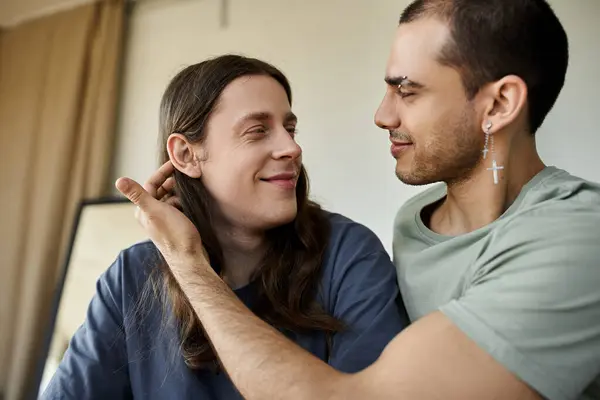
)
(432, 359)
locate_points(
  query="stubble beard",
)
(450, 155)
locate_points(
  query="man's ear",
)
(182, 155)
(506, 101)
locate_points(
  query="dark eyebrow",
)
(290, 117)
(404, 81)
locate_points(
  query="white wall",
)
(334, 56)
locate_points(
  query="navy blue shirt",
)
(122, 351)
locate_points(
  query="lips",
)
(398, 147)
(285, 180)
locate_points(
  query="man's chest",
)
(431, 276)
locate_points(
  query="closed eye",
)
(261, 130)
(403, 93)
(292, 130)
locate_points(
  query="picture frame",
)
(102, 228)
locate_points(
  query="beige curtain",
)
(58, 85)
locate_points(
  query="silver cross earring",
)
(488, 126)
(489, 137)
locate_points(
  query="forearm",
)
(260, 361)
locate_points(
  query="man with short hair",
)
(499, 265)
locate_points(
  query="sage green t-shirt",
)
(525, 288)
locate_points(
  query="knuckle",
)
(135, 196)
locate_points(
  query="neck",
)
(243, 251)
(476, 201)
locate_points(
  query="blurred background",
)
(80, 85)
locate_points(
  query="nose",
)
(286, 146)
(386, 116)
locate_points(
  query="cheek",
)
(419, 116)
(231, 180)
(241, 197)
(452, 135)
(430, 120)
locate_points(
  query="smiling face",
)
(250, 161)
(240, 146)
(433, 127)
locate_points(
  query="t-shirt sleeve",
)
(95, 364)
(534, 304)
(364, 295)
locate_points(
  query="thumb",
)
(134, 192)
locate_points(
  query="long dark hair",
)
(288, 278)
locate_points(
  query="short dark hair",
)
(491, 39)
